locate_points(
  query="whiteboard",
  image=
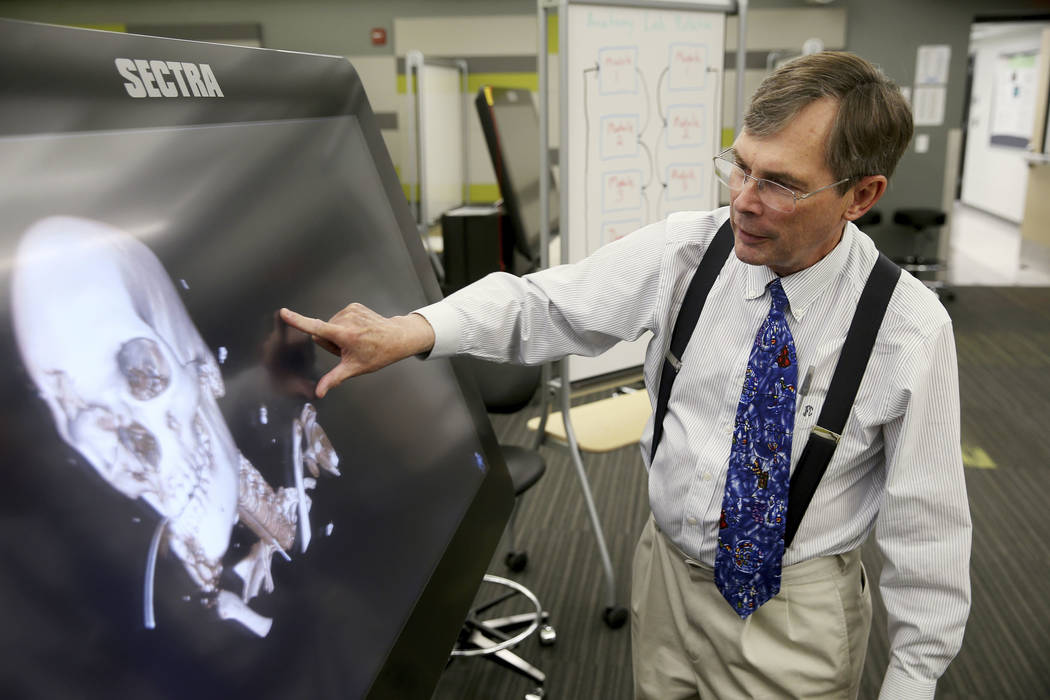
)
(643, 112)
(437, 147)
(1013, 102)
(444, 115)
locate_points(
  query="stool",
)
(508, 389)
(923, 223)
(494, 637)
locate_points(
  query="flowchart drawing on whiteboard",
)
(647, 148)
(618, 71)
(688, 67)
(622, 135)
(684, 126)
(619, 136)
(683, 182)
(641, 109)
(622, 190)
(611, 230)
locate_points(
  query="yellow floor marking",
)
(976, 458)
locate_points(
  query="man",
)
(720, 609)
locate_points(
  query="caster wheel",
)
(615, 617)
(536, 694)
(516, 561)
(548, 636)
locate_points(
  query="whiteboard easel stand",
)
(614, 615)
(414, 62)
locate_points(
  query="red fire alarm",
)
(378, 36)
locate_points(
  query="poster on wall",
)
(1013, 100)
(931, 84)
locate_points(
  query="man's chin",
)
(746, 253)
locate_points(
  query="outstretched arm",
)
(363, 340)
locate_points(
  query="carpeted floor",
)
(1003, 340)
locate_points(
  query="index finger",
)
(312, 326)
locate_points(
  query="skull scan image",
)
(132, 386)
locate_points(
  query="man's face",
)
(795, 158)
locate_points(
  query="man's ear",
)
(868, 190)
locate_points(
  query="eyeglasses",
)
(773, 195)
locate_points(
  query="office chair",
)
(923, 223)
(507, 389)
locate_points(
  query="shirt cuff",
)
(898, 685)
(445, 322)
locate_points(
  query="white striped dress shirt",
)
(898, 467)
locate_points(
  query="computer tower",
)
(477, 240)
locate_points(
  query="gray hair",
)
(873, 126)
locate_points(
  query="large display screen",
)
(179, 515)
(511, 125)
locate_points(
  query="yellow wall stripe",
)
(103, 27)
(479, 193)
(529, 81)
(484, 193)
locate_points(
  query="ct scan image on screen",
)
(182, 517)
(137, 397)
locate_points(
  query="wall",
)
(499, 50)
(315, 26)
(774, 35)
(1035, 229)
(889, 34)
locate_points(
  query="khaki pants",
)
(809, 641)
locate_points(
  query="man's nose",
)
(747, 198)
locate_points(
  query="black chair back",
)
(505, 388)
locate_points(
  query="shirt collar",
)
(804, 286)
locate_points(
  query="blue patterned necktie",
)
(754, 507)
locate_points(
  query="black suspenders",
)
(688, 314)
(849, 370)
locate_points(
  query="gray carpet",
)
(1003, 340)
